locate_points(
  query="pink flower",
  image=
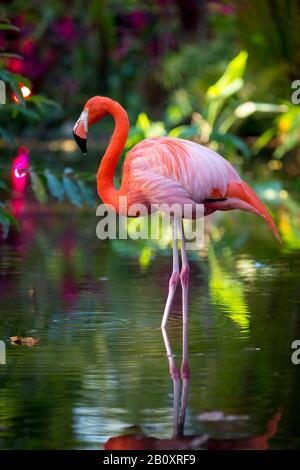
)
(123, 48)
(219, 7)
(227, 10)
(28, 47)
(138, 19)
(65, 28)
(15, 65)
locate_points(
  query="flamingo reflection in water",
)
(179, 441)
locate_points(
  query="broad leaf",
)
(249, 107)
(87, 193)
(55, 186)
(231, 80)
(9, 27)
(71, 188)
(143, 122)
(233, 141)
(38, 187)
(6, 220)
(3, 185)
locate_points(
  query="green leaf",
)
(183, 131)
(6, 220)
(135, 136)
(213, 109)
(143, 122)
(71, 188)
(289, 143)
(3, 185)
(156, 129)
(38, 187)
(13, 81)
(263, 140)
(26, 112)
(20, 78)
(10, 55)
(86, 176)
(41, 102)
(180, 108)
(174, 114)
(232, 88)
(87, 193)
(9, 27)
(6, 135)
(233, 141)
(249, 107)
(231, 80)
(55, 186)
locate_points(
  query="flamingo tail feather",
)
(243, 192)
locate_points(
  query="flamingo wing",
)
(149, 187)
(171, 171)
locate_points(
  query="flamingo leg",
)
(179, 410)
(174, 279)
(184, 278)
(174, 373)
(184, 399)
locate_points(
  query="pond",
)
(100, 370)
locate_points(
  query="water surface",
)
(101, 370)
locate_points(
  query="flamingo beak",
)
(81, 143)
(80, 131)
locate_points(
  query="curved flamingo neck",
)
(105, 175)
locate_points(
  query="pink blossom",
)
(227, 10)
(138, 19)
(65, 28)
(15, 65)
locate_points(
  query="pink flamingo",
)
(169, 171)
(19, 177)
(19, 170)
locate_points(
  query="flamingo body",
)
(165, 169)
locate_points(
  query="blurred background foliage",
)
(217, 72)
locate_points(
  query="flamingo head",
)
(80, 130)
(94, 110)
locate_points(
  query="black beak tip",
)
(81, 143)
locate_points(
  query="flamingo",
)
(19, 170)
(19, 180)
(165, 170)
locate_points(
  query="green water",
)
(101, 367)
